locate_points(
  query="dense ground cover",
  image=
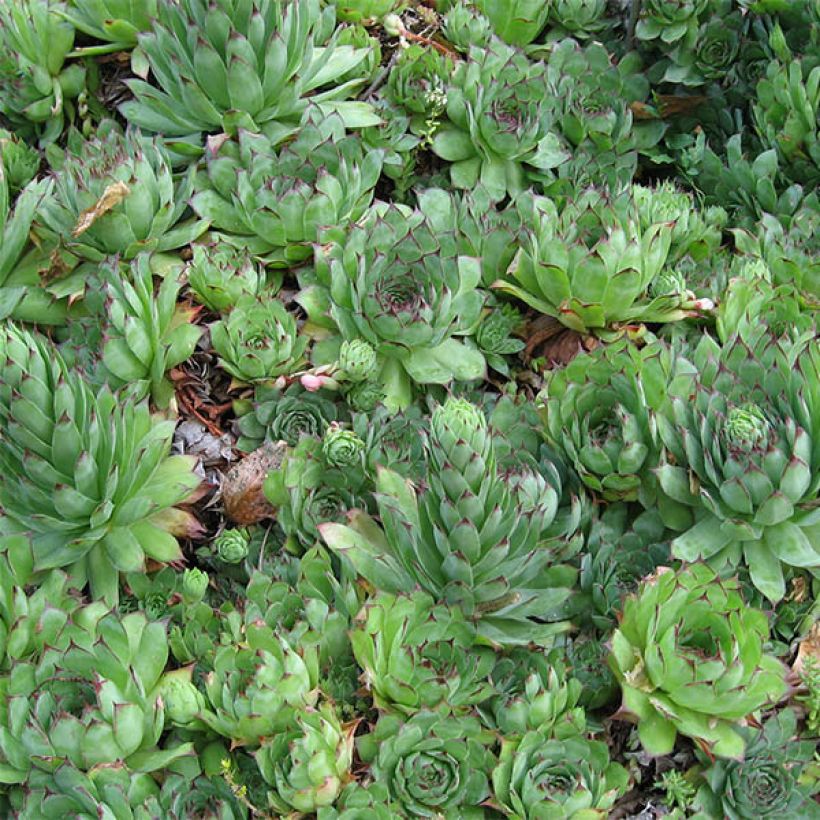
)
(409, 409)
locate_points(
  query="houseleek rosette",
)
(271, 202)
(90, 700)
(537, 778)
(517, 22)
(116, 194)
(252, 64)
(689, 656)
(418, 655)
(146, 334)
(744, 435)
(533, 693)
(220, 275)
(37, 82)
(670, 20)
(472, 537)
(433, 765)
(599, 413)
(501, 121)
(767, 782)
(308, 765)
(21, 294)
(591, 266)
(117, 23)
(284, 415)
(87, 474)
(786, 118)
(258, 340)
(396, 283)
(259, 685)
(581, 19)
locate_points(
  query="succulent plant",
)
(694, 233)
(309, 765)
(391, 283)
(742, 434)
(600, 415)
(494, 336)
(37, 82)
(785, 115)
(259, 685)
(20, 161)
(395, 441)
(220, 275)
(496, 565)
(308, 493)
(533, 693)
(591, 267)
(239, 65)
(341, 447)
(670, 20)
(367, 11)
(273, 203)
(258, 340)
(538, 777)
(181, 699)
(146, 334)
(581, 19)
(419, 655)
(194, 585)
(116, 195)
(357, 360)
(117, 23)
(22, 296)
(766, 782)
(688, 654)
(433, 765)
(417, 83)
(286, 415)
(501, 121)
(465, 26)
(518, 22)
(86, 474)
(709, 54)
(90, 700)
(231, 546)
(31, 619)
(618, 552)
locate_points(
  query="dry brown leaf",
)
(245, 503)
(809, 647)
(112, 196)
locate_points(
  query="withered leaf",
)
(112, 196)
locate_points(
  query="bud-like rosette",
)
(183, 702)
(357, 360)
(194, 585)
(231, 546)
